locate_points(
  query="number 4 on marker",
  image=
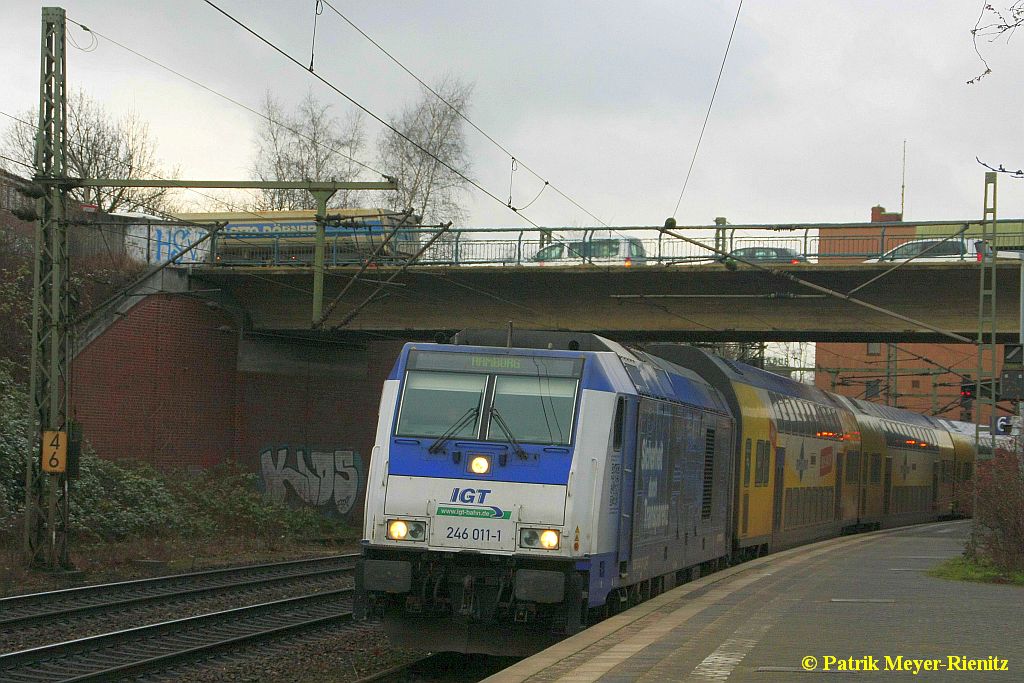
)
(55, 451)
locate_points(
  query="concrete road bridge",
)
(681, 302)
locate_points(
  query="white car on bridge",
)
(939, 250)
(622, 251)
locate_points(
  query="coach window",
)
(788, 423)
(812, 418)
(874, 348)
(807, 418)
(818, 415)
(852, 467)
(762, 465)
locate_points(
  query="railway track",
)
(158, 646)
(26, 610)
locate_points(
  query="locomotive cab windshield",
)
(511, 399)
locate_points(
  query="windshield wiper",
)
(520, 453)
(451, 431)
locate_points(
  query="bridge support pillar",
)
(322, 197)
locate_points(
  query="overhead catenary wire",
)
(365, 109)
(373, 115)
(462, 115)
(228, 98)
(300, 134)
(15, 161)
(707, 116)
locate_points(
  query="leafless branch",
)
(999, 23)
(1019, 173)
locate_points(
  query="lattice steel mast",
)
(987, 322)
(46, 492)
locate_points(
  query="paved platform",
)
(860, 606)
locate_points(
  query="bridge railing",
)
(520, 247)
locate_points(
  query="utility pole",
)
(46, 482)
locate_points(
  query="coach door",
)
(780, 489)
(624, 439)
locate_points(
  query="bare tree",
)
(432, 174)
(993, 23)
(101, 146)
(306, 144)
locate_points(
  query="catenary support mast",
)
(46, 483)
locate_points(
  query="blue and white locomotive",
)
(521, 487)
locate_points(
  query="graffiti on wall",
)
(328, 480)
(158, 243)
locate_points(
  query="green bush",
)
(114, 501)
(13, 428)
(111, 501)
(224, 499)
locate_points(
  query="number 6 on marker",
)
(55, 451)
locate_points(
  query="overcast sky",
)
(603, 99)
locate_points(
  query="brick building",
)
(925, 378)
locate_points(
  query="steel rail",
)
(131, 651)
(21, 609)
(27, 619)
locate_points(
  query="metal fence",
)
(510, 248)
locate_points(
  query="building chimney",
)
(879, 215)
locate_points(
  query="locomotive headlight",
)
(397, 530)
(547, 539)
(404, 530)
(480, 464)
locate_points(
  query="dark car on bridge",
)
(763, 255)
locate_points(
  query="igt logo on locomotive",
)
(474, 499)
